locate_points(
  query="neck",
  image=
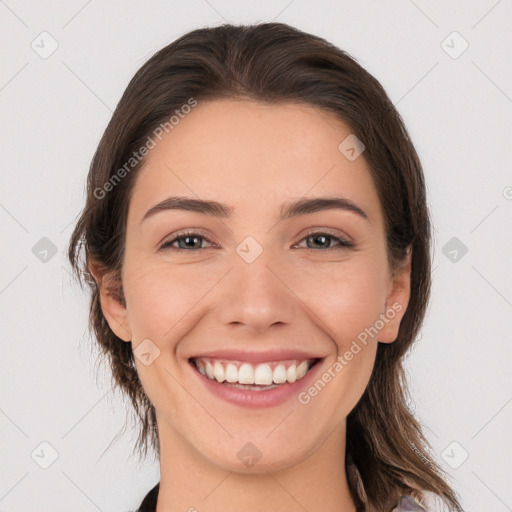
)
(189, 482)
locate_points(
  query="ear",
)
(397, 300)
(112, 300)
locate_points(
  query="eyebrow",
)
(288, 210)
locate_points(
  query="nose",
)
(256, 296)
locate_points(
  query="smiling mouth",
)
(258, 376)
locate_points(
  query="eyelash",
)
(343, 244)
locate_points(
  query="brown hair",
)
(387, 453)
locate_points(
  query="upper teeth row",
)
(247, 374)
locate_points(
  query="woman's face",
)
(255, 287)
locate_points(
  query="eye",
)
(324, 241)
(191, 242)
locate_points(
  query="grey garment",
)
(408, 504)
(430, 502)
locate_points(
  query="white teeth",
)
(218, 372)
(246, 374)
(231, 373)
(302, 369)
(291, 373)
(280, 374)
(263, 375)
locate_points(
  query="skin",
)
(254, 157)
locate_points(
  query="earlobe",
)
(112, 301)
(397, 300)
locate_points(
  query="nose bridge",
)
(256, 295)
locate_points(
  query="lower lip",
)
(255, 398)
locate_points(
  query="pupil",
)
(321, 237)
(188, 239)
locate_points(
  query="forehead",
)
(253, 155)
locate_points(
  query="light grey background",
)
(54, 111)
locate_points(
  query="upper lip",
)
(257, 357)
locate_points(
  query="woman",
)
(257, 240)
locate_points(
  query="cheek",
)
(347, 298)
(159, 297)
